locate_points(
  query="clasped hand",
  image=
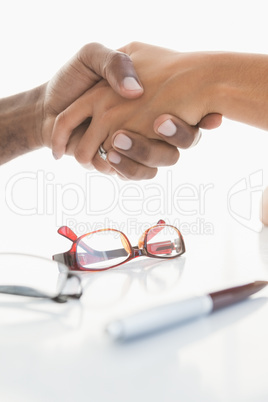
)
(140, 128)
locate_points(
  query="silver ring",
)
(102, 153)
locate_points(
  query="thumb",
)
(210, 121)
(114, 66)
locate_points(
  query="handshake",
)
(139, 104)
(124, 102)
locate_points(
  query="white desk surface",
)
(51, 352)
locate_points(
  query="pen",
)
(168, 315)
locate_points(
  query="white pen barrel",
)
(160, 317)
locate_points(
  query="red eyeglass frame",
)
(69, 257)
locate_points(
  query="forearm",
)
(240, 88)
(20, 124)
(234, 85)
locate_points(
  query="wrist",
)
(192, 87)
(224, 87)
(240, 87)
(20, 123)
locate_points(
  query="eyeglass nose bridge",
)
(139, 252)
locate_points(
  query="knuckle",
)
(89, 48)
(115, 61)
(139, 172)
(142, 152)
(119, 57)
(132, 172)
(133, 46)
(148, 174)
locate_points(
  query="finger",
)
(75, 138)
(116, 67)
(102, 166)
(128, 168)
(97, 163)
(67, 121)
(148, 152)
(94, 135)
(176, 132)
(211, 121)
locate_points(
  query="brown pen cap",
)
(236, 294)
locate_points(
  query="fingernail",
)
(123, 142)
(131, 84)
(167, 128)
(114, 157)
(55, 156)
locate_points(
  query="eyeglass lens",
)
(19, 271)
(102, 249)
(164, 241)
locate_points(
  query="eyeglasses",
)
(27, 275)
(108, 248)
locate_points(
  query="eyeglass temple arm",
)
(151, 233)
(156, 230)
(30, 292)
(89, 256)
(69, 234)
(162, 247)
(97, 256)
(68, 258)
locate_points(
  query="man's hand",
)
(92, 63)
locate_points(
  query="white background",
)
(37, 38)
